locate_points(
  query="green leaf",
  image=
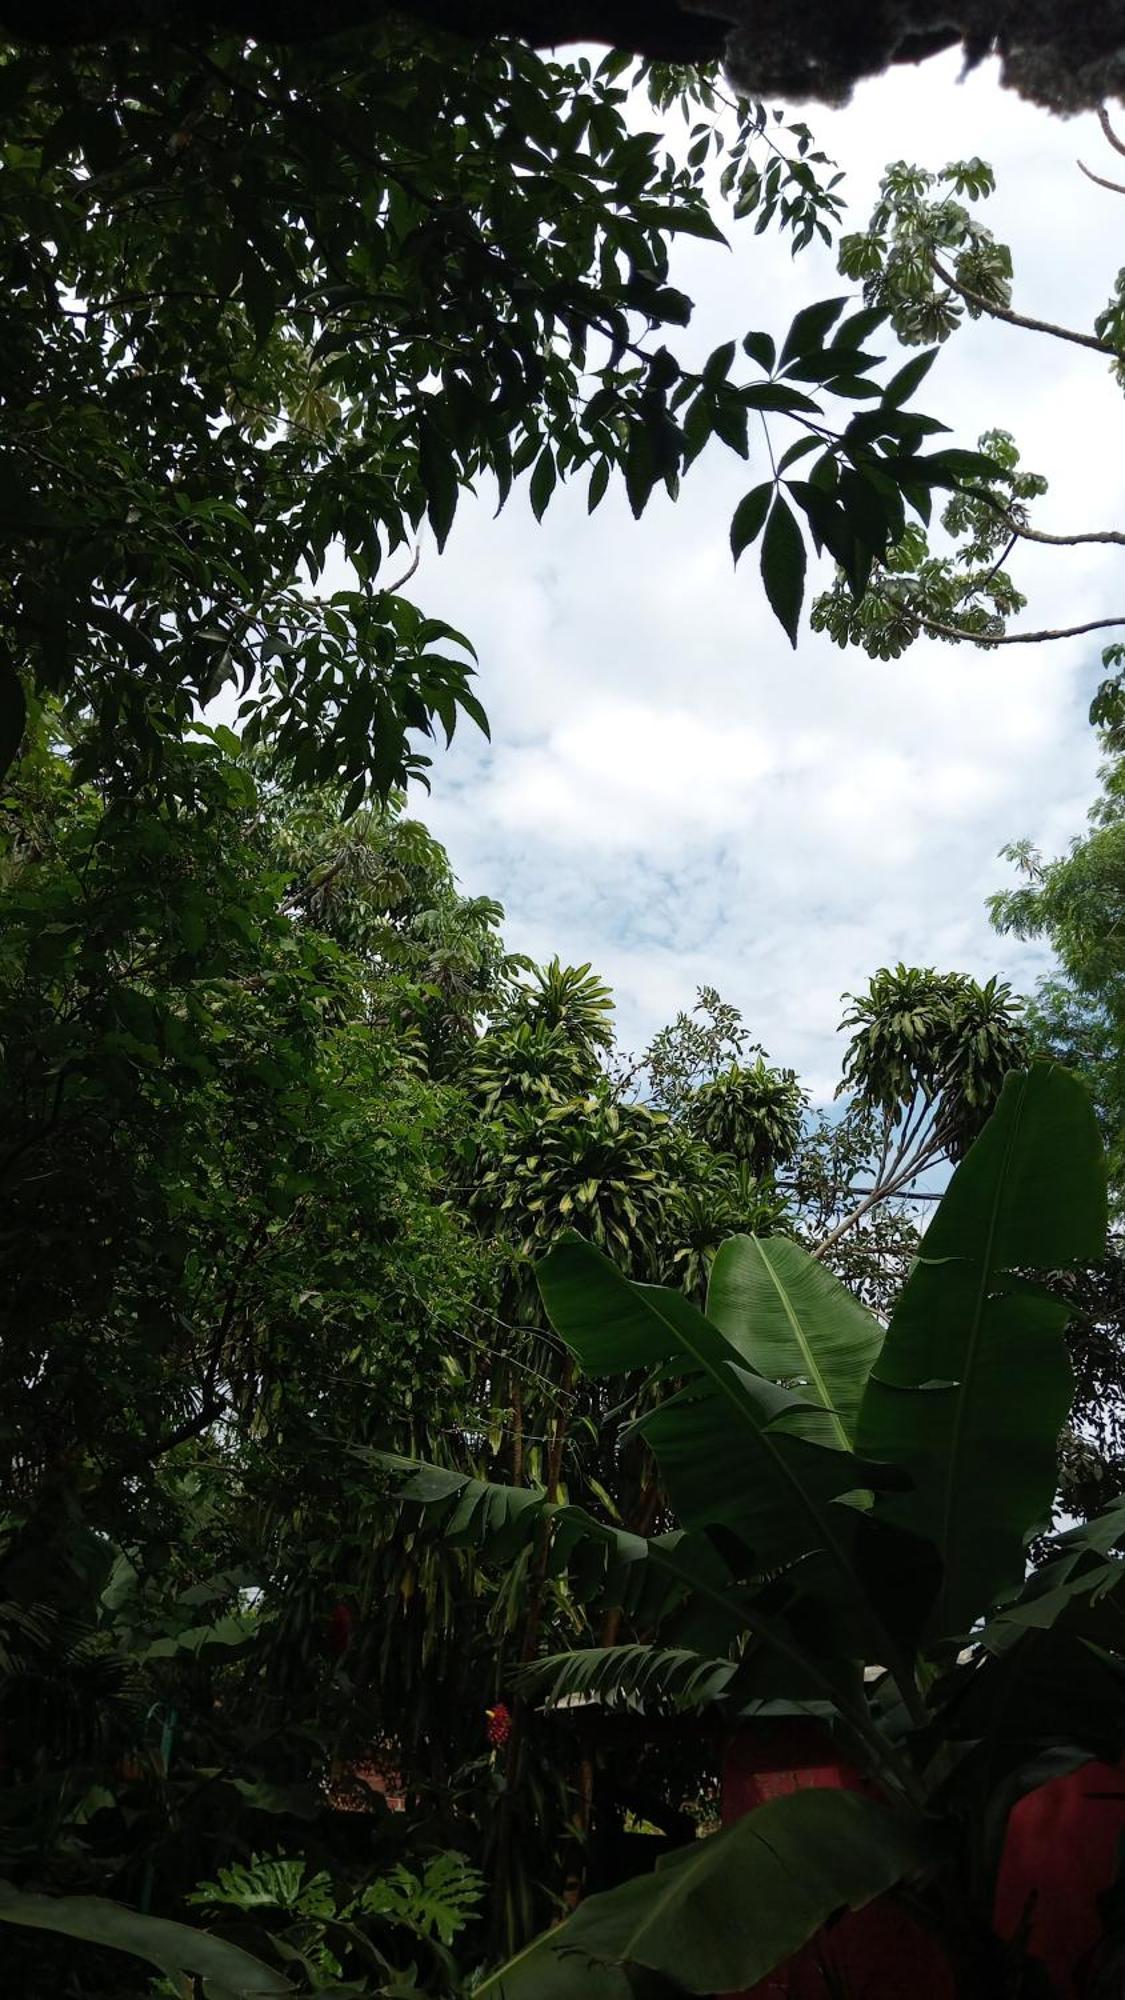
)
(681, 221)
(792, 1320)
(718, 366)
(853, 331)
(901, 387)
(783, 567)
(543, 481)
(761, 349)
(800, 449)
(722, 1913)
(179, 1951)
(749, 517)
(675, 1676)
(439, 479)
(810, 328)
(779, 396)
(654, 1578)
(727, 1440)
(973, 1384)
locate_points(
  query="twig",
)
(1103, 120)
(408, 573)
(1115, 187)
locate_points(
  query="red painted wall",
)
(1060, 1854)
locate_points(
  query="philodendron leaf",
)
(723, 1912)
(973, 1384)
(792, 1320)
(178, 1950)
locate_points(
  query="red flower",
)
(499, 1725)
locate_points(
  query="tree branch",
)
(1013, 638)
(408, 573)
(1023, 319)
(1103, 120)
(1115, 187)
(1026, 534)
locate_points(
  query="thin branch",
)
(855, 1215)
(769, 444)
(1026, 534)
(1103, 120)
(1013, 638)
(1023, 319)
(1115, 187)
(1000, 560)
(1072, 541)
(408, 573)
(918, 1195)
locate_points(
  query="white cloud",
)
(676, 796)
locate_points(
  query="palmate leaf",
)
(726, 1442)
(973, 1383)
(792, 1320)
(726, 1910)
(178, 1950)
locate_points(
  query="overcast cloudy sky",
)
(674, 795)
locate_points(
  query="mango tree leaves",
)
(973, 1383)
(250, 319)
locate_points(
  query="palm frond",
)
(636, 1677)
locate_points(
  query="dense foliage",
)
(286, 1131)
(272, 308)
(844, 1494)
(293, 1150)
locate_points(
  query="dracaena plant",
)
(849, 1497)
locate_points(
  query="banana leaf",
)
(725, 1911)
(178, 1950)
(793, 1321)
(973, 1383)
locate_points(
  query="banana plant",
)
(855, 1509)
(181, 1953)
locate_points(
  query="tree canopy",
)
(1062, 56)
(272, 308)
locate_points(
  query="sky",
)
(674, 795)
